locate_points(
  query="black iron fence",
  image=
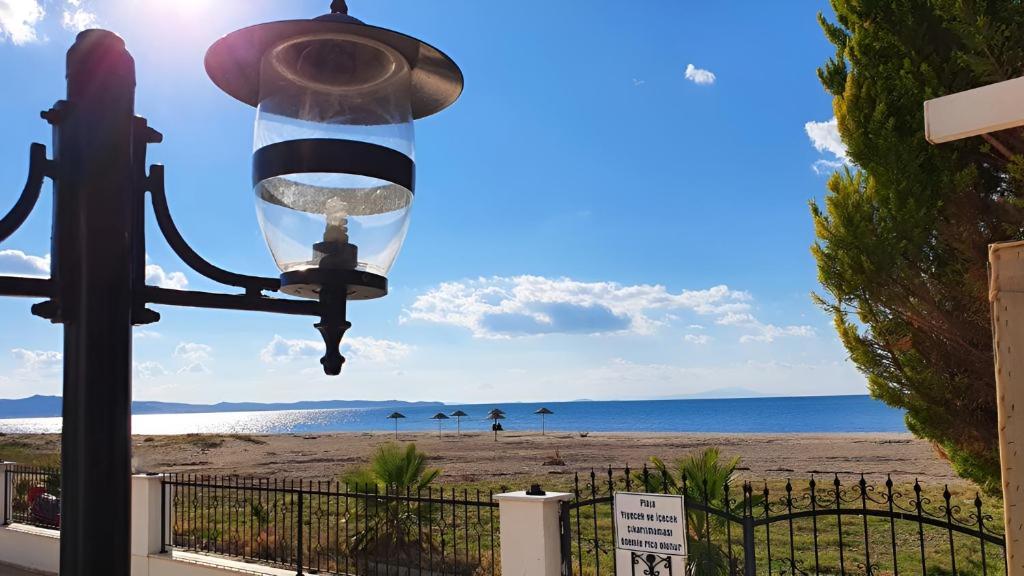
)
(814, 528)
(33, 496)
(330, 527)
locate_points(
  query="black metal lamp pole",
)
(97, 286)
(93, 265)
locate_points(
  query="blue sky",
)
(616, 207)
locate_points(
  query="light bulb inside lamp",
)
(335, 251)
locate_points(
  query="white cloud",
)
(700, 76)
(195, 357)
(761, 332)
(22, 264)
(374, 349)
(146, 335)
(194, 368)
(505, 307)
(624, 379)
(76, 17)
(18, 20)
(156, 276)
(192, 352)
(149, 370)
(699, 339)
(37, 360)
(825, 138)
(639, 82)
(281, 349)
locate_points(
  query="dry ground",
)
(475, 457)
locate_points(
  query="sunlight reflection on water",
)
(276, 422)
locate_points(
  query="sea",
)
(776, 415)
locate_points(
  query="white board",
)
(649, 524)
(973, 112)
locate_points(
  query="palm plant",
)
(388, 527)
(702, 478)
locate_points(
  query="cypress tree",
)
(902, 234)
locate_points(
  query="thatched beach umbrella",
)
(458, 414)
(543, 412)
(495, 415)
(395, 416)
(440, 417)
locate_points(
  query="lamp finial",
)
(339, 7)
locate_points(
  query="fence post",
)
(1006, 295)
(5, 490)
(531, 539)
(749, 553)
(298, 556)
(565, 525)
(148, 518)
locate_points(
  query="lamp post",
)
(347, 192)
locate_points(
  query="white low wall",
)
(30, 547)
(38, 549)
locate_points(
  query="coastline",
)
(518, 456)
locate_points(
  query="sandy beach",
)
(519, 456)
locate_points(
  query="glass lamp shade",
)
(333, 156)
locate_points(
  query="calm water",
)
(813, 414)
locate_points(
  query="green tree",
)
(388, 527)
(705, 476)
(902, 237)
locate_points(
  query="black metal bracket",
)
(253, 285)
(39, 167)
(330, 309)
(651, 564)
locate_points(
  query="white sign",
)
(650, 524)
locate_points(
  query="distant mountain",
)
(718, 393)
(49, 406)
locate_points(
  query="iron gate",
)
(820, 528)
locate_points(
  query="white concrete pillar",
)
(1006, 293)
(530, 534)
(147, 518)
(5, 494)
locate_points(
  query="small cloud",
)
(76, 17)
(156, 276)
(825, 138)
(149, 370)
(639, 82)
(192, 352)
(146, 335)
(194, 368)
(700, 76)
(21, 263)
(699, 339)
(18, 20)
(282, 350)
(761, 332)
(37, 360)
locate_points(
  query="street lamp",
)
(333, 175)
